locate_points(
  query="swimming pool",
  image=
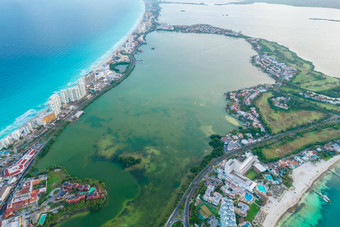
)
(248, 196)
(92, 189)
(42, 219)
(262, 189)
(269, 177)
(246, 225)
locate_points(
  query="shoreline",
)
(96, 65)
(132, 55)
(119, 43)
(46, 134)
(307, 174)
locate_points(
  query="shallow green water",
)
(164, 111)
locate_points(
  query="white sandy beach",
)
(303, 177)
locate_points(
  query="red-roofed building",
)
(20, 165)
(283, 164)
(26, 195)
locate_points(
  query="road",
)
(40, 144)
(187, 196)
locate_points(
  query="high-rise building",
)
(29, 126)
(2, 144)
(55, 104)
(7, 141)
(24, 130)
(65, 96)
(15, 135)
(82, 87)
(90, 78)
(74, 93)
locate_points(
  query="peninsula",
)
(287, 128)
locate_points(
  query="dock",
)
(334, 173)
(324, 197)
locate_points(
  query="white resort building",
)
(227, 213)
(234, 171)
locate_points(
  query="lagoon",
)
(163, 112)
(313, 40)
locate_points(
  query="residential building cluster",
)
(150, 18)
(30, 203)
(16, 221)
(5, 158)
(321, 98)
(242, 209)
(83, 192)
(281, 102)
(204, 28)
(270, 65)
(240, 105)
(164, 26)
(276, 69)
(255, 43)
(233, 142)
(211, 196)
(130, 44)
(279, 168)
(27, 195)
(22, 208)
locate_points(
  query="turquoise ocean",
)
(312, 210)
(46, 45)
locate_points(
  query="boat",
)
(324, 197)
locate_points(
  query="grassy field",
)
(177, 224)
(252, 174)
(252, 212)
(282, 149)
(306, 78)
(279, 121)
(321, 85)
(54, 179)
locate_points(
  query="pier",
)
(334, 173)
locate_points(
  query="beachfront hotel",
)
(55, 104)
(74, 93)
